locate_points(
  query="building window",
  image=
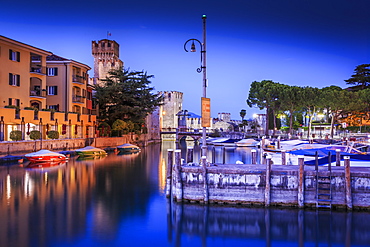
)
(14, 55)
(52, 71)
(54, 107)
(52, 90)
(14, 80)
(15, 102)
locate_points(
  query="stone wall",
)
(21, 147)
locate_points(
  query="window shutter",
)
(56, 90)
(10, 54)
(18, 56)
(18, 80)
(10, 101)
(18, 102)
(10, 79)
(47, 90)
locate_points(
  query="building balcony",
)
(38, 69)
(78, 79)
(78, 99)
(38, 93)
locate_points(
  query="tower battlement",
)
(106, 58)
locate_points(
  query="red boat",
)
(45, 156)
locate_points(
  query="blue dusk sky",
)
(295, 42)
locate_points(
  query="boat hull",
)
(91, 153)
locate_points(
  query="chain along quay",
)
(332, 187)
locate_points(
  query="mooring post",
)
(278, 142)
(316, 161)
(178, 178)
(348, 182)
(169, 172)
(190, 154)
(263, 141)
(283, 157)
(337, 157)
(213, 155)
(268, 175)
(205, 182)
(254, 156)
(301, 182)
(204, 151)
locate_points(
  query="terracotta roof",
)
(56, 58)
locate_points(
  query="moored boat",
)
(90, 151)
(247, 143)
(45, 156)
(128, 148)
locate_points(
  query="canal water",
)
(119, 200)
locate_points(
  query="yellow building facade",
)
(44, 92)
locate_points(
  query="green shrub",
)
(16, 135)
(35, 135)
(29, 108)
(53, 134)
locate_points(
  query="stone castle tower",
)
(106, 58)
(172, 104)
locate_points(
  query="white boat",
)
(128, 148)
(45, 156)
(247, 143)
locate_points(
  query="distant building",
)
(106, 58)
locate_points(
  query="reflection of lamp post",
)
(201, 69)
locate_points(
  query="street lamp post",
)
(199, 70)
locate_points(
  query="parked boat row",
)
(46, 158)
(229, 142)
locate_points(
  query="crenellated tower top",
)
(106, 57)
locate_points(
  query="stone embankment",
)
(267, 185)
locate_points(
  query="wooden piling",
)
(169, 172)
(254, 156)
(205, 184)
(213, 155)
(190, 157)
(348, 182)
(178, 183)
(283, 157)
(337, 157)
(268, 184)
(301, 182)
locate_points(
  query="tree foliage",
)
(243, 112)
(361, 76)
(126, 95)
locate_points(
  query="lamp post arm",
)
(200, 69)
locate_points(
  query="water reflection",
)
(43, 204)
(270, 226)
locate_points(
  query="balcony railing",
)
(38, 93)
(38, 69)
(78, 99)
(78, 79)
